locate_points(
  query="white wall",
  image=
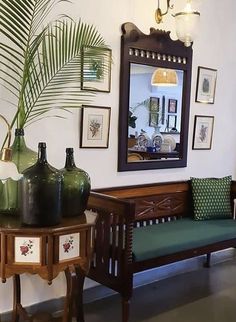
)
(214, 48)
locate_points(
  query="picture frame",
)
(95, 126)
(171, 121)
(206, 85)
(154, 104)
(153, 119)
(203, 132)
(96, 71)
(172, 105)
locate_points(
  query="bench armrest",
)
(113, 235)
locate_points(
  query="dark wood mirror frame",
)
(155, 49)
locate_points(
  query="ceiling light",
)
(164, 77)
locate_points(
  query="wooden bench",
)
(147, 226)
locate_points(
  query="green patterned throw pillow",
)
(211, 198)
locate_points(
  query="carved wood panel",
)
(160, 206)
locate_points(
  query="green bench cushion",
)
(175, 236)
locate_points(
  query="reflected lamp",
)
(8, 169)
(164, 77)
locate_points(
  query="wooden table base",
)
(73, 304)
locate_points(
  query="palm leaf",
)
(17, 20)
(59, 66)
(41, 66)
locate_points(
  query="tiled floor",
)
(205, 295)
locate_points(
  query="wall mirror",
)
(155, 82)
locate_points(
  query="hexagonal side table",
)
(67, 248)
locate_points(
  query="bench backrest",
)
(158, 201)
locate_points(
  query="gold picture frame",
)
(203, 131)
(206, 85)
(95, 127)
(96, 69)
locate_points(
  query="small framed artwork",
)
(96, 69)
(171, 121)
(206, 85)
(154, 104)
(95, 126)
(172, 106)
(153, 119)
(202, 134)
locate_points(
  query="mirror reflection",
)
(155, 110)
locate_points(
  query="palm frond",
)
(41, 66)
(56, 76)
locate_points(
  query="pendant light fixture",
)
(164, 77)
(186, 21)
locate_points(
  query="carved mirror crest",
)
(153, 120)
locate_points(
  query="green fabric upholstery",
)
(171, 237)
(211, 198)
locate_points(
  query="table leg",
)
(79, 303)
(70, 289)
(16, 298)
(18, 310)
(73, 305)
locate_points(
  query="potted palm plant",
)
(40, 62)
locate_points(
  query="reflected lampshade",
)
(164, 77)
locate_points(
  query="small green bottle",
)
(75, 187)
(23, 157)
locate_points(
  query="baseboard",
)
(95, 293)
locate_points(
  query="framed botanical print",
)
(171, 121)
(206, 85)
(154, 104)
(202, 134)
(95, 125)
(172, 105)
(153, 119)
(96, 69)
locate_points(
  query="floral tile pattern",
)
(27, 249)
(69, 246)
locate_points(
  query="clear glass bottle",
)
(40, 193)
(23, 157)
(75, 187)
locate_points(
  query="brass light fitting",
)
(186, 21)
(159, 14)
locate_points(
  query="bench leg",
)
(125, 309)
(208, 260)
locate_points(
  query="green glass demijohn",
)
(40, 193)
(75, 187)
(23, 157)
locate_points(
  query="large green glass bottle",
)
(75, 187)
(40, 193)
(23, 157)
